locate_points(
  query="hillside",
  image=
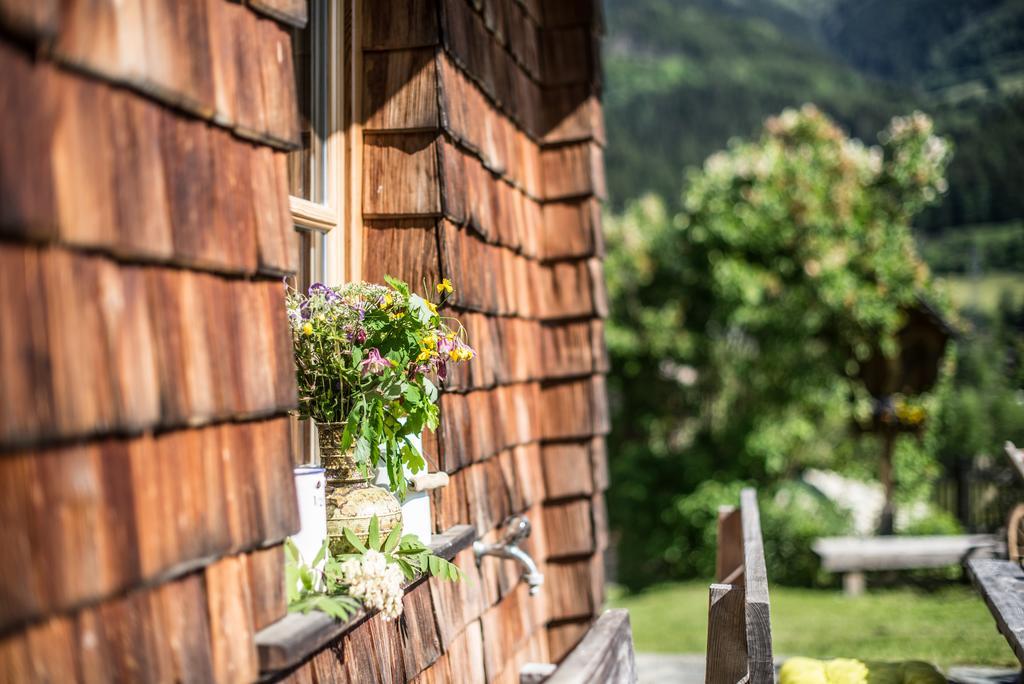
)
(714, 70)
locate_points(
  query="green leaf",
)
(412, 394)
(306, 577)
(373, 541)
(433, 565)
(291, 551)
(320, 555)
(407, 568)
(348, 433)
(430, 390)
(397, 284)
(412, 458)
(362, 452)
(394, 537)
(352, 539)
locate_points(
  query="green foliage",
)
(328, 589)
(301, 584)
(738, 324)
(935, 43)
(708, 71)
(793, 515)
(365, 355)
(408, 552)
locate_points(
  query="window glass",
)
(307, 165)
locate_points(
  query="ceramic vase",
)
(352, 499)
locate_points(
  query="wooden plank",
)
(760, 666)
(280, 102)
(231, 624)
(570, 528)
(568, 588)
(400, 175)
(390, 24)
(572, 228)
(34, 20)
(400, 90)
(573, 170)
(296, 636)
(402, 248)
(604, 655)
(729, 549)
(846, 554)
(727, 639)
(29, 107)
(572, 113)
(1001, 584)
(27, 390)
(292, 12)
(563, 636)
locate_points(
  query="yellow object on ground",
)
(849, 671)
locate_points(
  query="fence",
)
(980, 497)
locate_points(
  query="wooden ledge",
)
(289, 641)
(1001, 584)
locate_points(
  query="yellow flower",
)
(307, 329)
(388, 300)
(445, 286)
(396, 316)
(432, 307)
(424, 355)
(430, 341)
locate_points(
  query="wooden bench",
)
(1001, 584)
(739, 625)
(853, 556)
(605, 654)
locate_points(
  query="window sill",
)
(297, 636)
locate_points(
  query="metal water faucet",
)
(517, 528)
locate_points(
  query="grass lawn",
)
(951, 626)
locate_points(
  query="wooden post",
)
(727, 638)
(854, 583)
(760, 666)
(888, 512)
(729, 553)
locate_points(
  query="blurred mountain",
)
(685, 76)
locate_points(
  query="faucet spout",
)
(518, 529)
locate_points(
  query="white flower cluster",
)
(375, 582)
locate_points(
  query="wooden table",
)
(1001, 584)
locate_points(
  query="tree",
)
(738, 325)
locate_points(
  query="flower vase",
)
(352, 500)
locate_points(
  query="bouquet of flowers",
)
(367, 357)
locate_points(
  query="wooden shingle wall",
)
(144, 228)
(145, 361)
(482, 163)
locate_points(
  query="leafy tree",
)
(738, 324)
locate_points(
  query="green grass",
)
(983, 293)
(950, 626)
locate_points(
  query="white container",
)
(416, 518)
(310, 488)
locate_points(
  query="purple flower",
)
(357, 335)
(319, 288)
(374, 363)
(359, 307)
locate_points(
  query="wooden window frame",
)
(339, 216)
